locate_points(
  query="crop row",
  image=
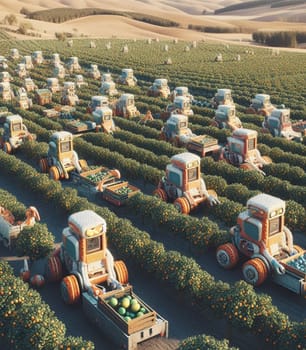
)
(237, 303)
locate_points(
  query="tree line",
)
(282, 39)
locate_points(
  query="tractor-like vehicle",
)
(23, 101)
(37, 57)
(266, 246)
(55, 59)
(62, 162)
(21, 70)
(29, 85)
(159, 88)
(108, 86)
(176, 132)
(103, 118)
(27, 61)
(15, 134)
(53, 85)
(73, 65)
(14, 54)
(97, 280)
(225, 118)
(125, 107)
(80, 81)
(261, 105)
(94, 72)
(3, 63)
(59, 71)
(180, 105)
(183, 184)
(222, 97)
(97, 102)
(69, 97)
(241, 151)
(181, 91)
(278, 123)
(6, 93)
(127, 77)
(5, 77)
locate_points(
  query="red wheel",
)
(182, 205)
(7, 148)
(121, 272)
(160, 193)
(227, 255)
(255, 271)
(54, 173)
(54, 270)
(43, 165)
(70, 290)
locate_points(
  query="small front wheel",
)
(70, 290)
(227, 256)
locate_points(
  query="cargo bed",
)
(126, 334)
(119, 192)
(203, 145)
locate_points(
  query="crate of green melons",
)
(127, 310)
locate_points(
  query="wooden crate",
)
(134, 325)
(110, 193)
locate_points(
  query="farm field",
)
(141, 158)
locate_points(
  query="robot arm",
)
(211, 199)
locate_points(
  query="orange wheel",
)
(54, 173)
(267, 159)
(121, 272)
(255, 271)
(227, 255)
(7, 148)
(43, 165)
(160, 193)
(70, 290)
(246, 166)
(214, 123)
(54, 270)
(297, 248)
(182, 205)
(250, 110)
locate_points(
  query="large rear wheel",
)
(182, 205)
(160, 193)
(43, 165)
(70, 290)
(54, 173)
(121, 272)
(54, 269)
(255, 271)
(7, 148)
(227, 255)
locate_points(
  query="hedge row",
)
(27, 322)
(227, 211)
(238, 303)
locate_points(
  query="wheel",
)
(121, 272)
(215, 124)
(7, 148)
(160, 193)
(54, 269)
(267, 159)
(227, 255)
(250, 110)
(43, 165)
(255, 271)
(246, 166)
(54, 173)
(182, 205)
(263, 113)
(70, 290)
(297, 248)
